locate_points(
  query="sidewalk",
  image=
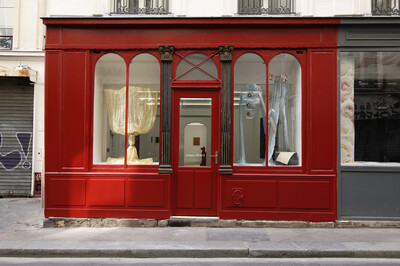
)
(22, 235)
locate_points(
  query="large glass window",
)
(370, 107)
(272, 136)
(249, 110)
(114, 140)
(144, 116)
(194, 131)
(284, 111)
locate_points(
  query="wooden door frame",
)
(212, 92)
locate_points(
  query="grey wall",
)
(368, 192)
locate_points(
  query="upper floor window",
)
(385, 7)
(147, 7)
(268, 7)
(6, 24)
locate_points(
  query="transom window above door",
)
(197, 66)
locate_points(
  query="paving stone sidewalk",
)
(22, 235)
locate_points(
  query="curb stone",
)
(210, 222)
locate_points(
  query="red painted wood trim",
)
(94, 21)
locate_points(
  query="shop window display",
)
(369, 107)
(284, 111)
(114, 140)
(273, 136)
(249, 110)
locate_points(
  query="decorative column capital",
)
(166, 52)
(226, 52)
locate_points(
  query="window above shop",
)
(385, 7)
(141, 7)
(6, 24)
(266, 7)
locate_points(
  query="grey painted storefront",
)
(16, 127)
(368, 192)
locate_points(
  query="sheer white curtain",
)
(141, 117)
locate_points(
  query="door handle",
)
(215, 157)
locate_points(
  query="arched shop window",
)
(284, 111)
(197, 66)
(110, 75)
(249, 110)
(144, 114)
(134, 142)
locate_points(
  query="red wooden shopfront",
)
(79, 183)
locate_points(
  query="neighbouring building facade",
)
(277, 110)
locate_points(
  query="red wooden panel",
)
(53, 35)
(203, 189)
(52, 111)
(145, 193)
(323, 111)
(105, 192)
(250, 193)
(65, 192)
(184, 189)
(74, 105)
(305, 194)
(211, 33)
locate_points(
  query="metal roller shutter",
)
(16, 137)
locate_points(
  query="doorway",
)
(195, 152)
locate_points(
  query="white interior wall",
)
(191, 151)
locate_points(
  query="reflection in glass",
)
(369, 107)
(249, 110)
(194, 132)
(284, 112)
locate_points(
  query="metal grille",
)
(270, 7)
(385, 7)
(6, 42)
(16, 125)
(141, 7)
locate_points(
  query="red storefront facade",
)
(205, 70)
